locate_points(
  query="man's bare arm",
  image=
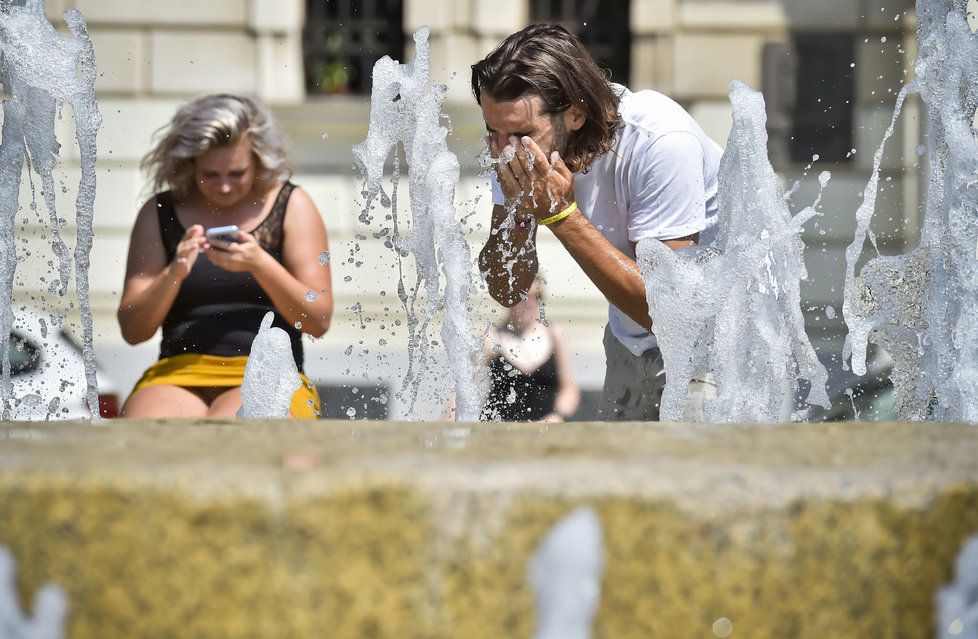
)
(508, 261)
(615, 274)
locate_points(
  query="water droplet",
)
(830, 312)
(325, 135)
(324, 258)
(349, 349)
(298, 326)
(311, 296)
(722, 627)
(350, 412)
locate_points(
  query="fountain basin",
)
(360, 529)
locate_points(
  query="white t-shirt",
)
(659, 180)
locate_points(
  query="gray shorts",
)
(633, 386)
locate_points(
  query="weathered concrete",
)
(352, 529)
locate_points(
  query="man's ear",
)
(574, 118)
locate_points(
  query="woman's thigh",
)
(164, 400)
(226, 404)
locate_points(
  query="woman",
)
(221, 162)
(530, 372)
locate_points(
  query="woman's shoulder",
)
(300, 207)
(298, 196)
(155, 204)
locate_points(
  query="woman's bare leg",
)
(163, 400)
(226, 404)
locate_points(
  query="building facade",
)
(830, 72)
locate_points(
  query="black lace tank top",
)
(218, 312)
(515, 396)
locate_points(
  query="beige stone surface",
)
(653, 63)
(280, 68)
(121, 59)
(836, 15)
(354, 529)
(128, 126)
(653, 16)
(440, 15)
(194, 62)
(886, 15)
(879, 71)
(726, 15)
(869, 126)
(55, 9)
(232, 13)
(451, 56)
(499, 17)
(716, 118)
(279, 16)
(706, 63)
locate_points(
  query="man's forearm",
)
(615, 274)
(508, 269)
(508, 261)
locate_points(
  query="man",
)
(602, 168)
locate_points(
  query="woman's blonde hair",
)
(214, 121)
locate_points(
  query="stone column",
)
(277, 25)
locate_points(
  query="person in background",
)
(221, 162)
(530, 372)
(600, 167)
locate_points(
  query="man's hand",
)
(541, 186)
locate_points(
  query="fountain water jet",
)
(733, 308)
(565, 574)
(41, 70)
(404, 111)
(922, 306)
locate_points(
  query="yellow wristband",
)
(556, 218)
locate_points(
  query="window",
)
(343, 38)
(824, 92)
(602, 25)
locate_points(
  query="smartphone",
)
(222, 234)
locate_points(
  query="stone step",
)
(360, 529)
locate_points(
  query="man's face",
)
(523, 117)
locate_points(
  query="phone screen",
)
(222, 234)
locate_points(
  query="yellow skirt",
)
(210, 371)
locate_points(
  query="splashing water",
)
(50, 607)
(271, 377)
(41, 70)
(957, 604)
(922, 306)
(565, 574)
(404, 111)
(733, 309)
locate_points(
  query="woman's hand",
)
(244, 256)
(188, 249)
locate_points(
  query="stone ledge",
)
(353, 529)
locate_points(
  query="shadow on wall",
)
(354, 401)
(350, 400)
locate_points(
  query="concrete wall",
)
(400, 530)
(152, 57)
